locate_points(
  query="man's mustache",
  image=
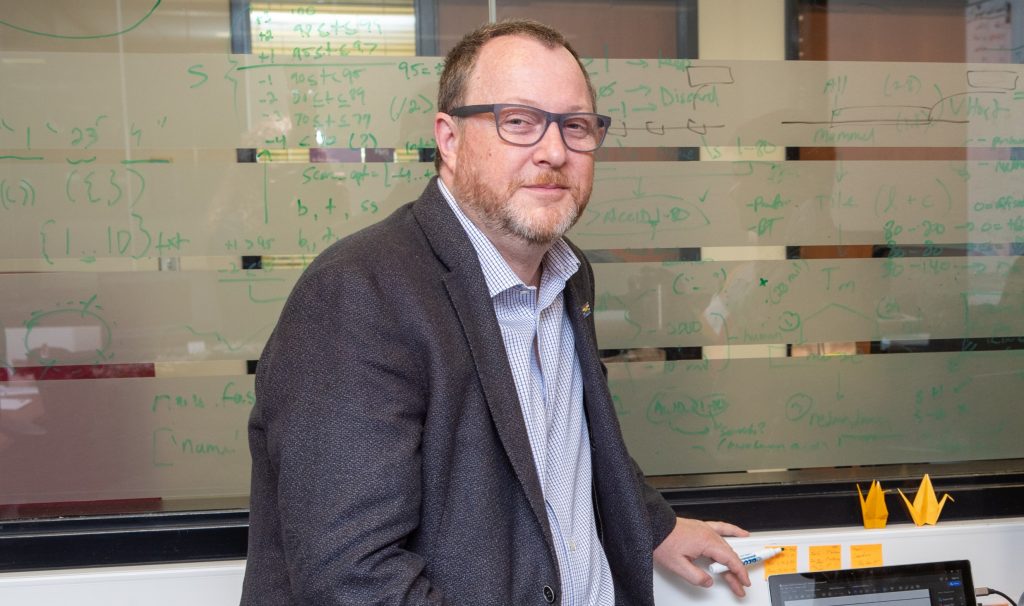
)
(547, 179)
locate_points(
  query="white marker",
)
(748, 559)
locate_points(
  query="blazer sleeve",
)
(340, 411)
(662, 516)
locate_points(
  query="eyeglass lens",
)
(525, 126)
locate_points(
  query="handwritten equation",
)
(139, 211)
(735, 415)
(217, 101)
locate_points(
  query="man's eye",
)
(519, 121)
(580, 126)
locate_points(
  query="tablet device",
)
(927, 584)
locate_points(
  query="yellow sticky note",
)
(865, 556)
(783, 563)
(825, 557)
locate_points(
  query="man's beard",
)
(500, 215)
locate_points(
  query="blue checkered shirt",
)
(539, 342)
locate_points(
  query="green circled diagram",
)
(90, 36)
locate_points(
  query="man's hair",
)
(459, 63)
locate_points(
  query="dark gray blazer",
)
(390, 460)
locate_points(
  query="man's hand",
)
(691, 539)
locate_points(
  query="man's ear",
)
(446, 134)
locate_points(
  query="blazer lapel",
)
(468, 292)
(618, 497)
(597, 397)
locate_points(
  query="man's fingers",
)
(689, 571)
(736, 567)
(725, 555)
(693, 539)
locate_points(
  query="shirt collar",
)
(559, 263)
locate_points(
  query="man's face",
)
(531, 194)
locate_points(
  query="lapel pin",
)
(586, 310)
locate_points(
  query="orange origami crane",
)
(873, 508)
(926, 507)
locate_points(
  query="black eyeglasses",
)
(524, 125)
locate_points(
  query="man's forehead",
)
(520, 62)
(517, 48)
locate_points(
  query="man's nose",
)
(551, 148)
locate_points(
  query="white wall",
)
(996, 550)
(198, 584)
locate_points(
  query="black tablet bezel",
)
(963, 567)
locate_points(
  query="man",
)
(433, 425)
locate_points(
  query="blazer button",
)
(549, 594)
